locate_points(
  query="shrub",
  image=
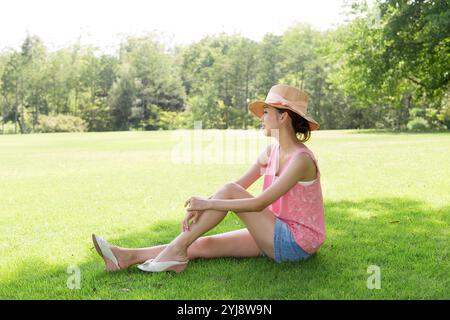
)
(165, 120)
(8, 128)
(417, 113)
(61, 123)
(171, 120)
(417, 124)
(441, 121)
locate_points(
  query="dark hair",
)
(300, 125)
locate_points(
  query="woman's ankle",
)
(125, 256)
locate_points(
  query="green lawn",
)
(386, 197)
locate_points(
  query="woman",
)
(285, 222)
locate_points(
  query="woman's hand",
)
(191, 215)
(196, 207)
(198, 204)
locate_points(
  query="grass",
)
(386, 202)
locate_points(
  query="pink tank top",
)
(302, 206)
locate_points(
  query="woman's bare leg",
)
(260, 226)
(237, 243)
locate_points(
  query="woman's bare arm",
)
(297, 169)
(256, 170)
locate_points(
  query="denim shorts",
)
(284, 245)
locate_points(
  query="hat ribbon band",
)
(274, 98)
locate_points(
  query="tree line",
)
(388, 67)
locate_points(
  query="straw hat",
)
(285, 97)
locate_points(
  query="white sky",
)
(105, 22)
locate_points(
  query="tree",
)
(395, 56)
(416, 35)
(298, 50)
(156, 81)
(122, 98)
(269, 58)
(12, 88)
(34, 54)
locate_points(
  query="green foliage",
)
(417, 39)
(371, 72)
(172, 120)
(61, 123)
(443, 116)
(122, 97)
(8, 128)
(148, 81)
(395, 54)
(269, 67)
(211, 112)
(417, 124)
(417, 112)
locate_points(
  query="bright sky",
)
(105, 22)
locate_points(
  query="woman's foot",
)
(115, 258)
(124, 257)
(104, 250)
(174, 253)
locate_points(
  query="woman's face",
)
(270, 121)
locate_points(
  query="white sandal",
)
(104, 250)
(153, 266)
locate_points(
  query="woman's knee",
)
(229, 189)
(201, 248)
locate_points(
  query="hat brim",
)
(257, 109)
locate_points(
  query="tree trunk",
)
(22, 119)
(247, 80)
(16, 115)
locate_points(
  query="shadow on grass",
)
(407, 239)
